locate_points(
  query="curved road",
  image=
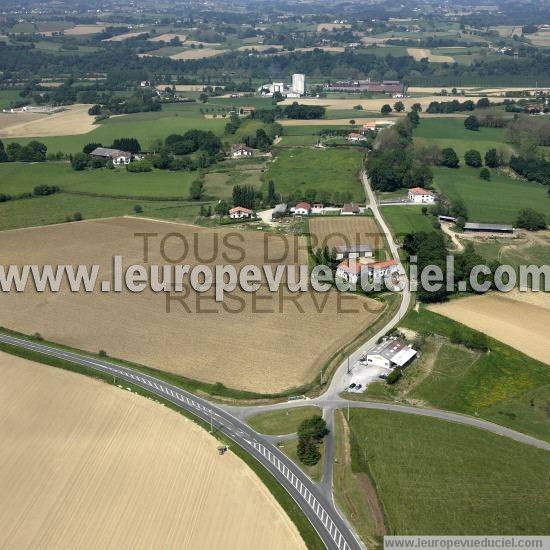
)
(315, 500)
(331, 527)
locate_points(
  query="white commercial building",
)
(390, 353)
(299, 83)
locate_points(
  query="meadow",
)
(407, 219)
(323, 170)
(450, 132)
(282, 421)
(439, 478)
(495, 201)
(148, 128)
(504, 386)
(16, 177)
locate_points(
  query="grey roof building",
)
(489, 227)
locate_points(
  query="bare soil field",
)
(371, 104)
(73, 121)
(167, 37)
(125, 36)
(540, 38)
(346, 230)
(88, 465)
(421, 53)
(80, 30)
(198, 53)
(520, 322)
(263, 342)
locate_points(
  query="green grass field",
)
(7, 97)
(407, 219)
(439, 478)
(19, 177)
(496, 201)
(290, 448)
(148, 128)
(450, 132)
(55, 209)
(282, 422)
(503, 386)
(330, 170)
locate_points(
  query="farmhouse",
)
(355, 137)
(421, 195)
(118, 157)
(239, 151)
(353, 251)
(390, 353)
(350, 209)
(240, 212)
(302, 208)
(488, 227)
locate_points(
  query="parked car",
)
(358, 387)
(382, 376)
(351, 386)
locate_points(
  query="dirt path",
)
(446, 228)
(265, 216)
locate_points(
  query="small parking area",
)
(363, 375)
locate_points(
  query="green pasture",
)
(440, 478)
(330, 170)
(495, 201)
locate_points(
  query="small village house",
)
(352, 269)
(354, 137)
(350, 209)
(239, 212)
(421, 196)
(302, 209)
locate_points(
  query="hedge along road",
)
(330, 526)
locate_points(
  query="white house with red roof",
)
(302, 209)
(352, 270)
(421, 195)
(240, 212)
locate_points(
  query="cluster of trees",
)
(305, 112)
(245, 195)
(533, 169)
(393, 164)
(34, 151)
(531, 220)
(310, 434)
(260, 140)
(431, 250)
(142, 100)
(456, 106)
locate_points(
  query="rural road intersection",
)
(315, 500)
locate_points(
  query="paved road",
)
(341, 380)
(331, 527)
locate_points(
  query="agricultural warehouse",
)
(489, 227)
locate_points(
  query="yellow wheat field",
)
(521, 320)
(70, 122)
(87, 465)
(421, 53)
(263, 342)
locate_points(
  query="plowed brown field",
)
(264, 342)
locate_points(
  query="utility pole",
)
(321, 376)
(211, 424)
(348, 365)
